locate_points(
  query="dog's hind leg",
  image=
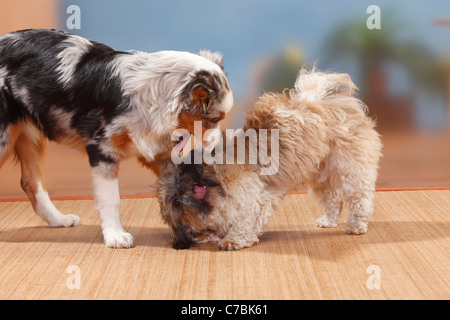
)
(29, 149)
(10, 127)
(360, 205)
(326, 190)
(358, 193)
(332, 205)
(8, 136)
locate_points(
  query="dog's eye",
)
(176, 202)
(215, 120)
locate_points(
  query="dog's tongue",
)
(199, 192)
(180, 146)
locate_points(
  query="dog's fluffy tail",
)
(330, 89)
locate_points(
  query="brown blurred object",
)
(415, 159)
(392, 113)
(27, 14)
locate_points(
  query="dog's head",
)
(206, 97)
(170, 90)
(187, 194)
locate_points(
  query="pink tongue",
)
(199, 192)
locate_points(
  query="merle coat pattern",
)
(110, 104)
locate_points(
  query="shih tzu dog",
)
(110, 104)
(325, 141)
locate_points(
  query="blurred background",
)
(402, 69)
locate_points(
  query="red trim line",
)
(141, 196)
(412, 189)
(299, 192)
(390, 189)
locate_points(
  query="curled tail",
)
(329, 89)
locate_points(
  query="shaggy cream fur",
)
(326, 142)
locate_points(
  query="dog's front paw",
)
(357, 228)
(325, 222)
(65, 220)
(229, 246)
(357, 224)
(118, 239)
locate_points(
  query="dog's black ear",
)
(215, 57)
(201, 95)
(200, 91)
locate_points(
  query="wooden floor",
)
(406, 250)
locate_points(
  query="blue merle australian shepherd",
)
(110, 104)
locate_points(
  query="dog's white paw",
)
(357, 224)
(230, 245)
(357, 228)
(325, 222)
(118, 239)
(237, 242)
(65, 220)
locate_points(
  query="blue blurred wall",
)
(247, 30)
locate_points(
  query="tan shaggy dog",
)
(326, 142)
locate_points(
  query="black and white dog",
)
(110, 104)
